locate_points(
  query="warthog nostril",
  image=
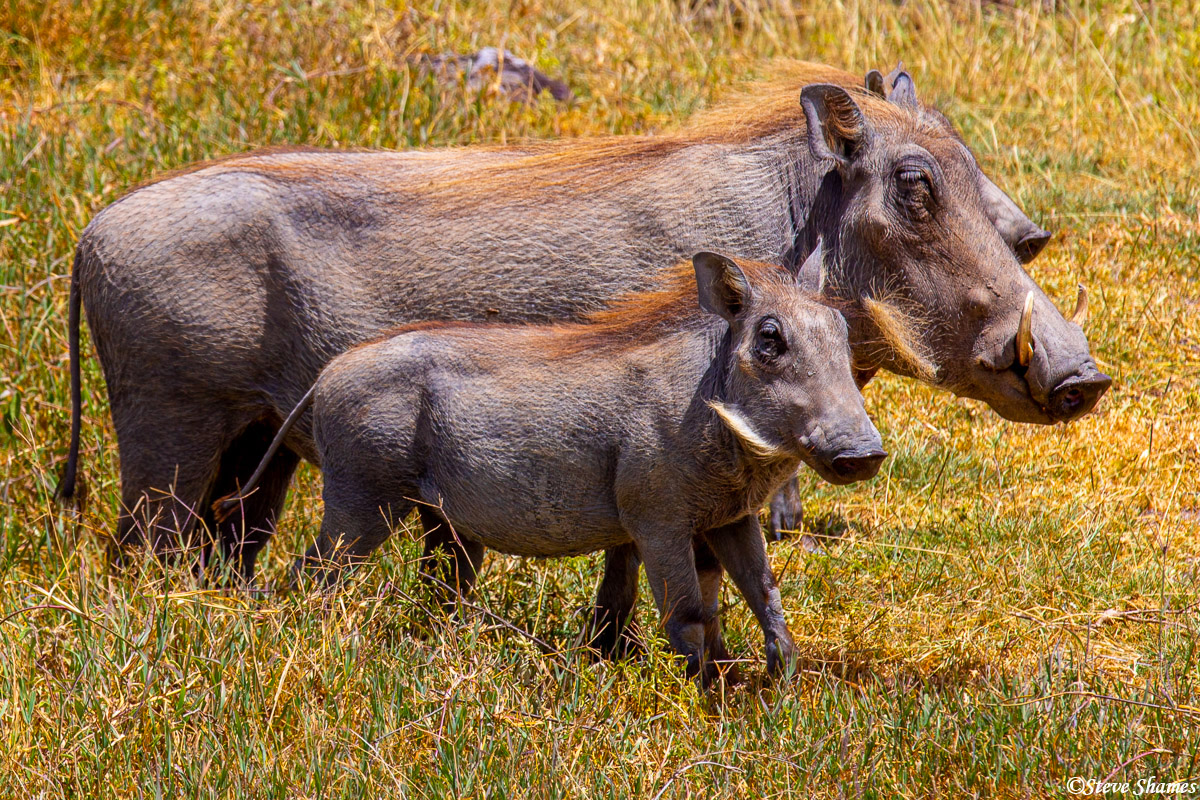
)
(1077, 396)
(1072, 400)
(858, 466)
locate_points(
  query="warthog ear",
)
(1024, 238)
(900, 87)
(1028, 246)
(811, 276)
(837, 129)
(722, 285)
(874, 84)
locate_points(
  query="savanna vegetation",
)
(1002, 608)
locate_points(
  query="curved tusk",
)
(1080, 315)
(1025, 333)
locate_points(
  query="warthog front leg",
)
(742, 551)
(787, 509)
(612, 629)
(671, 571)
(710, 573)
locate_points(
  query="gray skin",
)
(514, 438)
(1061, 379)
(215, 297)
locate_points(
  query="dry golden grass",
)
(1003, 608)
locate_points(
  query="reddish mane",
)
(759, 109)
(629, 320)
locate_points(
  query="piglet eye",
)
(768, 341)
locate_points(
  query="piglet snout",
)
(858, 465)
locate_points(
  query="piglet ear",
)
(811, 276)
(721, 284)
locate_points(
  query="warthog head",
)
(906, 223)
(790, 390)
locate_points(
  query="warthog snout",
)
(858, 465)
(1053, 351)
(843, 446)
(1045, 370)
(850, 458)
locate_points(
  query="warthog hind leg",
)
(169, 458)
(252, 522)
(451, 561)
(353, 527)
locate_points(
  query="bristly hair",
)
(741, 428)
(757, 110)
(899, 332)
(771, 105)
(673, 305)
(233, 158)
(630, 320)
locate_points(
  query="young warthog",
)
(657, 425)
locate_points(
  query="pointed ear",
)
(811, 277)
(900, 87)
(1029, 245)
(837, 129)
(874, 84)
(1024, 238)
(722, 285)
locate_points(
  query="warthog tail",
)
(223, 507)
(71, 489)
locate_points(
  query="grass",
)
(1003, 608)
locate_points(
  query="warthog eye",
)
(769, 342)
(915, 190)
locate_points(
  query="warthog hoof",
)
(610, 639)
(781, 656)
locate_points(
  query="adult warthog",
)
(216, 296)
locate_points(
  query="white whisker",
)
(744, 431)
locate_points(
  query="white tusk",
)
(1025, 333)
(1080, 315)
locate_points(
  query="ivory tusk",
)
(1025, 333)
(1080, 315)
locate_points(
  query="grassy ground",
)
(1003, 608)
